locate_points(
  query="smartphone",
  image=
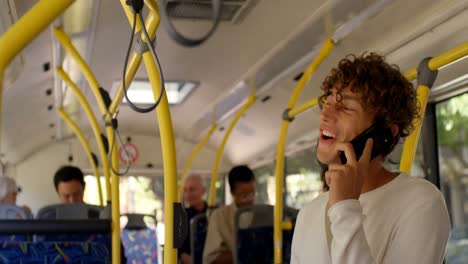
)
(382, 137)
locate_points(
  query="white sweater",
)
(404, 221)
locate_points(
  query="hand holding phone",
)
(347, 180)
(383, 141)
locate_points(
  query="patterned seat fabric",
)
(54, 252)
(140, 245)
(102, 239)
(13, 238)
(77, 237)
(255, 245)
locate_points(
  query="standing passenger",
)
(219, 240)
(369, 215)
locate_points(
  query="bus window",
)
(452, 139)
(220, 188)
(138, 194)
(90, 194)
(303, 182)
(265, 178)
(419, 168)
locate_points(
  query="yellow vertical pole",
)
(115, 205)
(152, 23)
(169, 158)
(278, 211)
(411, 142)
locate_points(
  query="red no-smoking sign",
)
(128, 153)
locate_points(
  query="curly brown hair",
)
(382, 88)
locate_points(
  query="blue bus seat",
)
(54, 252)
(254, 242)
(13, 212)
(198, 231)
(76, 211)
(139, 239)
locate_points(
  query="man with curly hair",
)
(369, 214)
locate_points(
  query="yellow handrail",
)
(166, 135)
(169, 158)
(152, 23)
(67, 44)
(70, 48)
(28, 27)
(278, 211)
(441, 60)
(303, 107)
(192, 157)
(219, 154)
(153, 7)
(86, 147)
(411, 142)
(24, 31)
(94, 125)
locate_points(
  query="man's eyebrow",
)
(351, 97)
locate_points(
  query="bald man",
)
(194, 190)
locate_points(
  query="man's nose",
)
(328, 113)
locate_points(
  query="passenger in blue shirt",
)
(9, 191)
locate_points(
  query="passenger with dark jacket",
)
(194, 192)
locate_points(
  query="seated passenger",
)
(9, 191)
(69, 184)
(194, 190)
(220, 238)
(370, 214)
